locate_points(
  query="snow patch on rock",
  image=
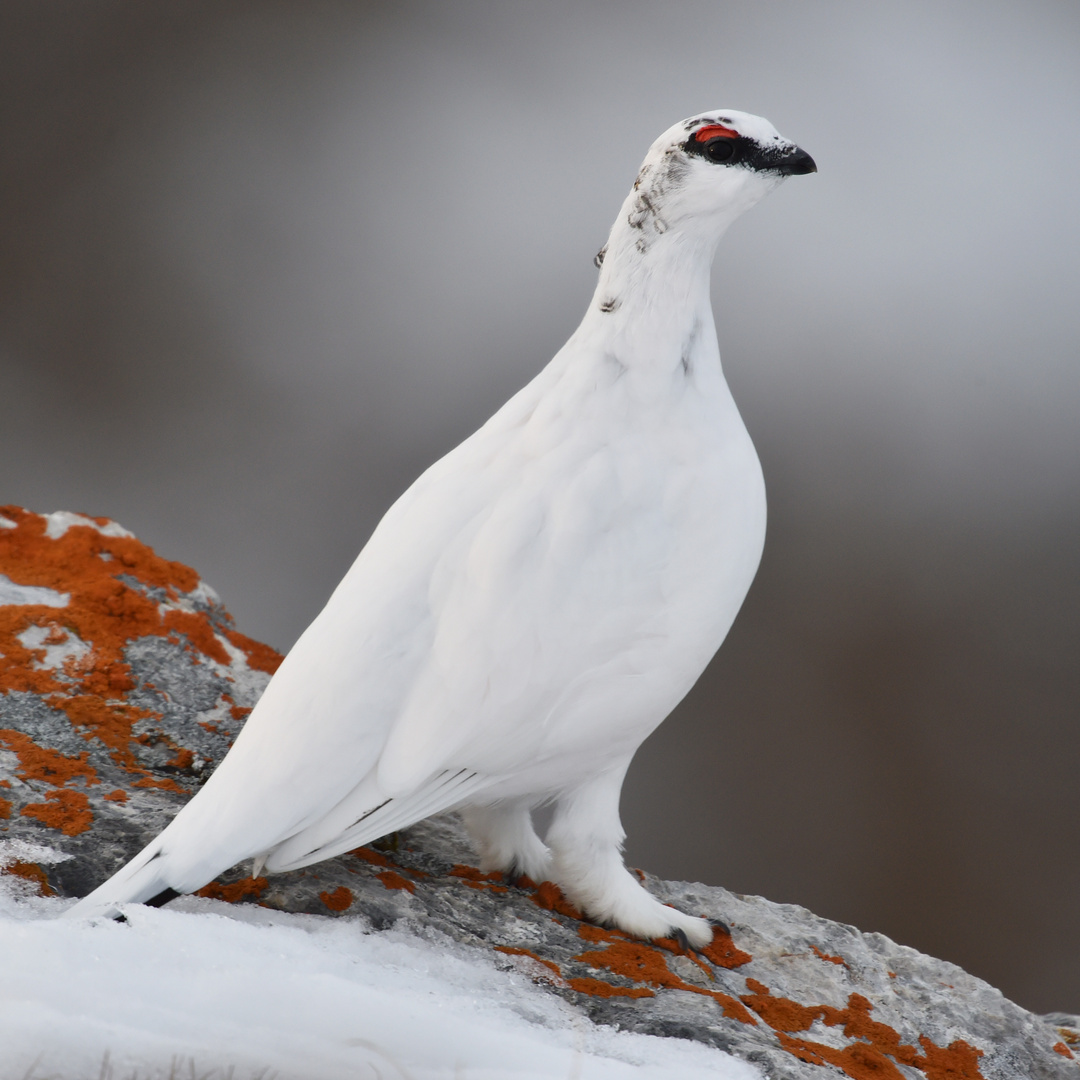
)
(11, 593)
(59, 646)
(58, 523)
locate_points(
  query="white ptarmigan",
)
(537, 601)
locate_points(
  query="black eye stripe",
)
(721, 150)
(781, 157)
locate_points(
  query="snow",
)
(212, 990)
(58, 523)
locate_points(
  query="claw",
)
(682, 939)
(518, 880)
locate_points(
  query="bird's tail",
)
(143, 880)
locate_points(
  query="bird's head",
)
(710, 167)
(736, 140)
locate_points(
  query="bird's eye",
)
(720, 150)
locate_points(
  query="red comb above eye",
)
(715, 131)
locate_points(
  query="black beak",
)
(795, 162)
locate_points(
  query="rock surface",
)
(123, 682)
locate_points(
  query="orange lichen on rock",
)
(631, 957)
(512, 950)
(393, 880)
(471, 873)
(182, 759)
(477, 879)
(673, 946)
(5, 808)
(390, 878)
(484, 885)
(109, 721)
(63, 809)
(118, 795)
(259, 656)
(31, 872)
(48, 766)
(827, 958)
(1062, 1049)
(370, 855)
(878, 1049)
(859, 1061)
(236, 892)
(85, 566)
(549, 896)
(639, 961)
(339, 900)
(957, 1061)
(583, 984)
(108, 680)
(875, 1051)
(19, 670)
(198, 632)
(160, 783)
(723, 952)
(781, 1014)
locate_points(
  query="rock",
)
(123, 682)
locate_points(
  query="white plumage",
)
(537, 601)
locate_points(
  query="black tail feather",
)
(162, 897)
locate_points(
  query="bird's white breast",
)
(608, 545)
(539, 599)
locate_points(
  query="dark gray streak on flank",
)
(688, 348)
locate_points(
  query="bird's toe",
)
(680, 936)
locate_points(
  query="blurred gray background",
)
(261, 263)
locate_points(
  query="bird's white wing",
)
(553, 595)
(365, 814)
(324, 719)
(539, 590)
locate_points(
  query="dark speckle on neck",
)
(609, 305)
(653, 186)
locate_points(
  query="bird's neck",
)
(651, 306)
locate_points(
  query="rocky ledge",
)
(122, 684)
